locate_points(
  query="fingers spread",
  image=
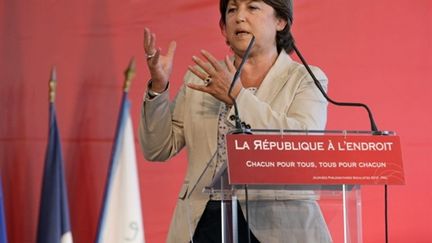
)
(146, 38)
(152, 43)
(171, 49)
(212, 60)
(149, 42)
(197, 72)
(230, 64)
(207, 67)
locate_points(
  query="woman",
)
(273, 91)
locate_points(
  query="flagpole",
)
(129, 75)
(52, 84)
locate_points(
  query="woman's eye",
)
(253, 7)
(230, 10)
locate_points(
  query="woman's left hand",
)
(216, 77)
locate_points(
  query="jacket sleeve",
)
(161, 132)
(301, 107)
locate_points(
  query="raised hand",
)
(160, 66)
(216, 77)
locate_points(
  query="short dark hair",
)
(283, 10)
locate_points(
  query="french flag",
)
(121, 216)
(54, 225)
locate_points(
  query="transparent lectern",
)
(328, 167)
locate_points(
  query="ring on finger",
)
(150, 56)
(208, 80)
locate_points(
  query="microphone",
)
(241, 127)
(374, 127)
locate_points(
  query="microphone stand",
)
(374, 127)
(242, 127)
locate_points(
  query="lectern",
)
(326, 166)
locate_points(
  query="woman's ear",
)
(223, 29)
(281, 24)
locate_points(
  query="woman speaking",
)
(272, 92)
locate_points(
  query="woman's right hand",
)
(160, 66)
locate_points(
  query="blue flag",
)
(3, 233)
(54, 226)
(121, 216)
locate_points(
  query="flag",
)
(121, 219)
(3, 233)
(53, 226)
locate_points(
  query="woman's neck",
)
(256, 68)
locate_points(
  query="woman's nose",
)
(240, 17)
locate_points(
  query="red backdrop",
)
(376, 52)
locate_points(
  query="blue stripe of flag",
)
(54, 209)
(3, 233)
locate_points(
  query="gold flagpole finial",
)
(129, 75)
(52, 85)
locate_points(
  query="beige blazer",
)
(287, 98)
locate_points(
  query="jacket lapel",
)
(275, 78)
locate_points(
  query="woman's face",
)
(245, 18)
